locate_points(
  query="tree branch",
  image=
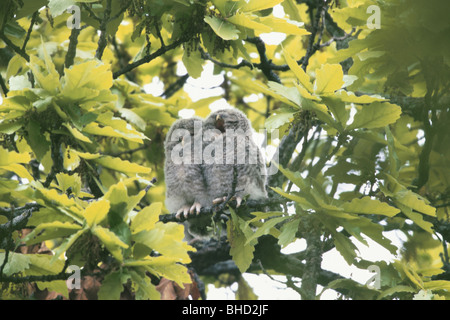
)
(102, 41)
(72, 49)
(16, 49)
(149, 57)
(30, 29)
(3, 86)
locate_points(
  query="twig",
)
(265, 64)
(342, 38)
(149, 57)
(91, 12)
(206, 56)
(3, 86)
(312, 48)
(18, 50)
(174, 87)
(143, 147)
(30, 29)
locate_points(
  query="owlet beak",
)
(220, 123)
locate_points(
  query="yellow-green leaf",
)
(166, 238)
(248, 21)
(329, 78)
(96, 212)
(223, 29)
(11, 157)
(366, 205)
(91, 74)
(146, 218)
(376, 115)
(121, 165)
(415, 201)
(284, 26)
(77, 134)
(258, 5)
(301, 75)
(111, 241)
(51, 230)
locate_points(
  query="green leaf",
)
(376, 115)
(72, 182)
(16, 263)
(258, 5)
(366, 205)
(10, 127)
(279, 118)
(329, 78)
(301, 201)
(393, 290)
(145, 289)
(223, 29)
(193, 62)
(417, 218)
(37, 141)
(339, 111)
(415, 201)
(58, 7)
(288, 232)
(265, 228)
(345, 247)
(241, 251)
(51, 230)
(68, 242)
(394, 161)
(111, 287)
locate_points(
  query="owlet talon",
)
(238, 202)
(196, 207)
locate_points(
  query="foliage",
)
(362, 116)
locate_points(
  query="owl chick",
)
(185, 186)
(229, 142)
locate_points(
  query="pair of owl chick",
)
(229, 161)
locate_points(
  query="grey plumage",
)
(240, 156)
(185, 185)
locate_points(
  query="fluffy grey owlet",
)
(185, 186)
(231, 151)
